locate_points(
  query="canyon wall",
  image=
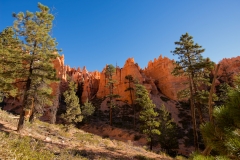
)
(88, 82)
(121, 84)
(156, 77)
(160, 70)
(229, 68)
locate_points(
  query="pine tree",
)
(10, 62)
(130, 80)
(168, 138)
(37, 48)
(147, 114)
(73, 112)
(192, 65)
(87, 109)
(109, 72)
(223, 134)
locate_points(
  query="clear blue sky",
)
(94, 33)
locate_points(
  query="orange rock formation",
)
(229, 68)
(160, 70)
(156, 77)
(130, 68)
(88, 80)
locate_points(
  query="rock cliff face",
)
(156, 77)
(88, 82)
(229, 68)
(58, 64)
(160, 71)
(130, 68)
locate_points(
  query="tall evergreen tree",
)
(192, 65)
(109, 72)
(73, 111)
(168, 138)
(12, 72)
(87, 109)
(147, 114)
(38, 48)
(130, 80)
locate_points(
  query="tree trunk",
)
(200, 113)
(151, 144)
(24, 106)
(111, 94)
(55, 105)
(53, 115)
(193, 90)
(210, 95)
(21, 121)
(207, 151)
(25, 98)
(31, 118)
(193, 116)
(32, 111)
(110, 112)
(134, 110)
(134, 118)
(197, 105)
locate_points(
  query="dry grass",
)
(46, 141)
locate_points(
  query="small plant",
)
(73, 111)
(87, 109)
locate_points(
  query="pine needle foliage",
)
(73, 111)
(87, 109)
(10, 62)
(168, 138)
(33, 58)
(223, 135)
(147, 116)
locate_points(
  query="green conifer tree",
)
(109, 72)
(168, 138)
(130, 80)
(37, 48)
(73, 112)
(147, 115)
(192, 65)
(87, 109)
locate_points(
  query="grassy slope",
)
(45, 141)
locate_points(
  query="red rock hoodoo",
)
(160, 70)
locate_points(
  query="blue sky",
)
(94, 33)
